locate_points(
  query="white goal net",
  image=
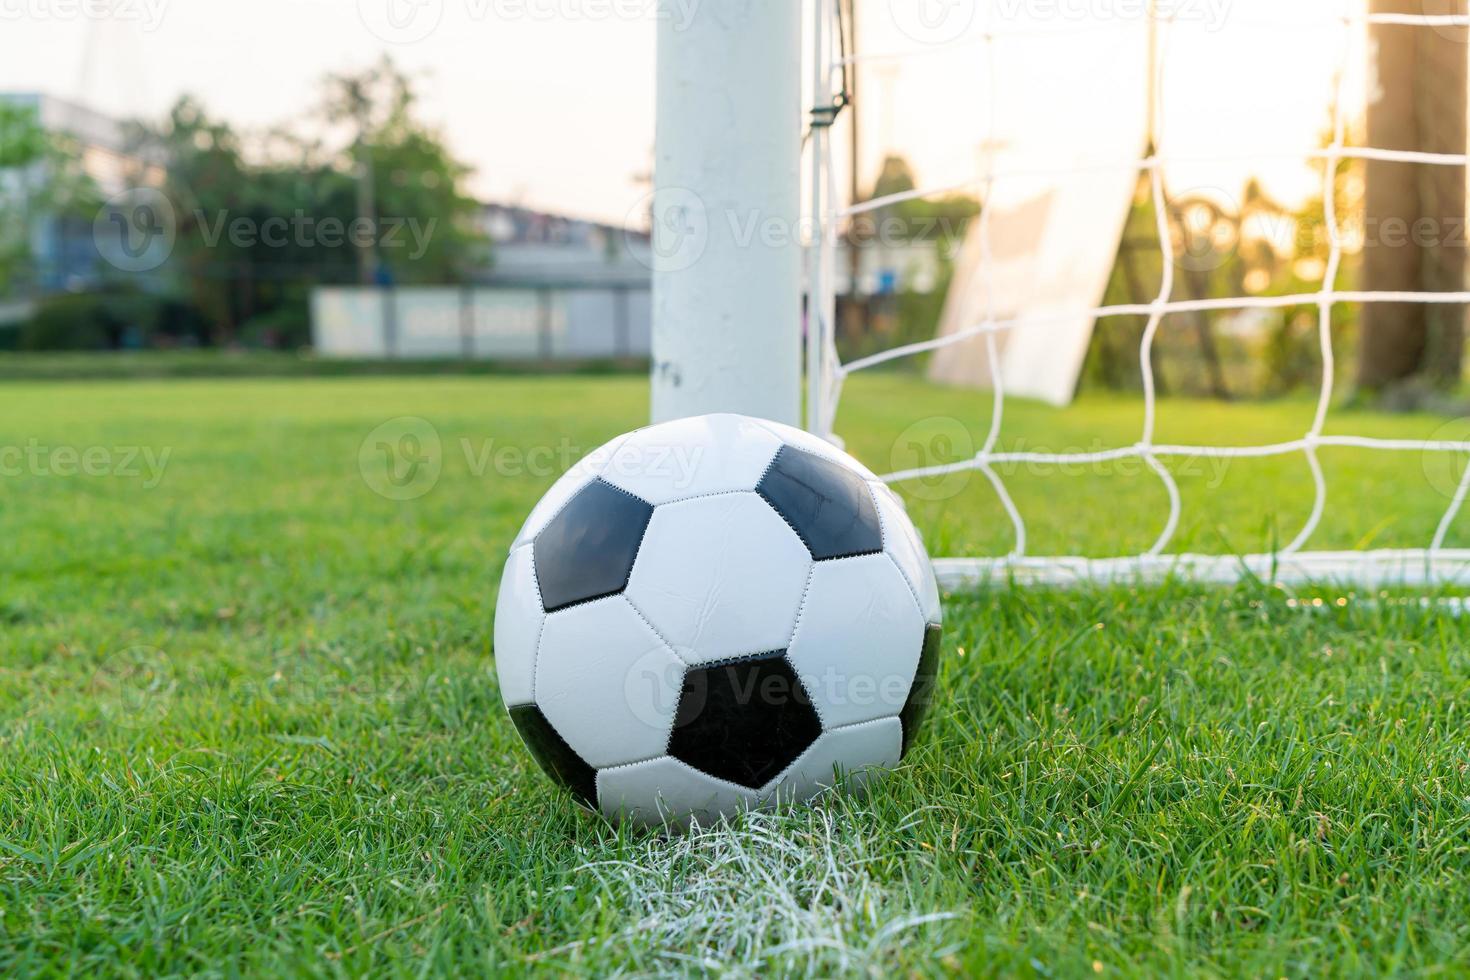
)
(1016, 343)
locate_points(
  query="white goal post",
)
(1433, 564)
(726, 206)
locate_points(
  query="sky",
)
(551, 101)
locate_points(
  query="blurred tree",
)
(1292, 357)
(409, 172)
(1114, 353)
(930, 217)
(262, 220)
(22, 142)
(894, 177)
(40, 172)
(1258, 247)
(869, 323)
(1415, 229)
(207, 182)
(1206, 242)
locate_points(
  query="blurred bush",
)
(114, 319)
(86, 321)
(287, 327)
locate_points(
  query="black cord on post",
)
(823, 116)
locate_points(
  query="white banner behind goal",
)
(1048, 241)
(1005, 313)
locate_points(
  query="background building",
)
(539, 247)
(63, 250)
(556, 288)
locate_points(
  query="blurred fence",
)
(536, 322)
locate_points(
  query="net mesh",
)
(1432, 564)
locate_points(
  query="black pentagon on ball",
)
(829, 506)
(921, 693)
(553, 754)
(587, 550)
(743, 721)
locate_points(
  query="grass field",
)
(250, 722)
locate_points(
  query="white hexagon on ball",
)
(902, 542)
(858, 643)
(720, 577)
(518, 621)
(602, 656)
(693, 457)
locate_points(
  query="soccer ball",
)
(715, 613)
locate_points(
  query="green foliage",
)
(22, 140)
(895, 177)
(910, 315)
(39, 172)
(1112, 361)
(1225, 248)
(1292, 355)
(250, 717)
(415, 177)
(287, 327)
(73, 323)
(946, 215)
(109, 319)
(261, 219)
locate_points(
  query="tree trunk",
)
(1415, 232)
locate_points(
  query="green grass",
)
(249, 720)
